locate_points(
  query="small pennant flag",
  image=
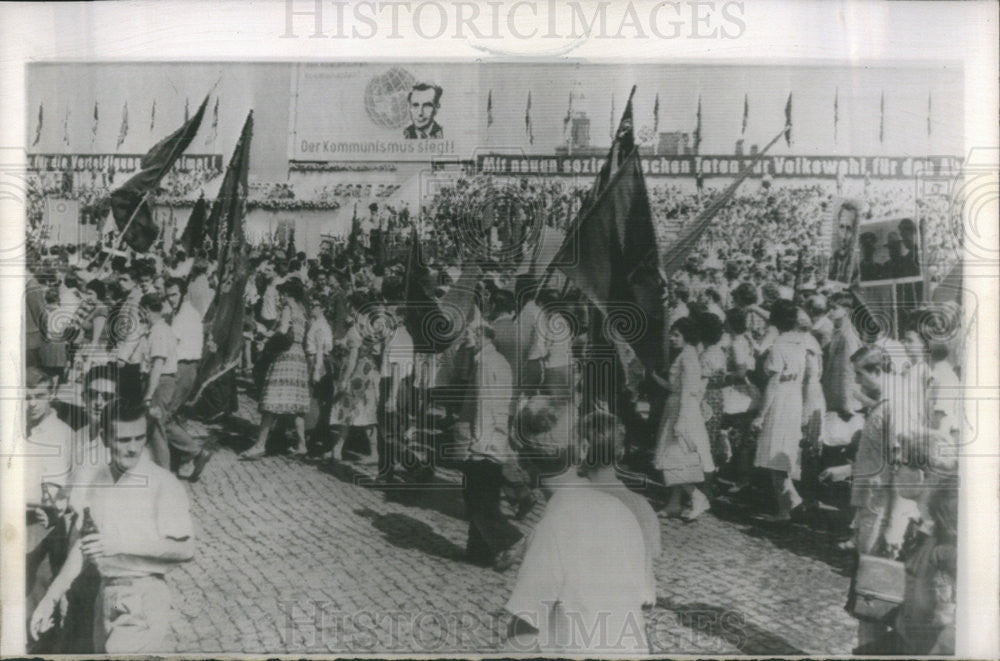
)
(928, 113)
(527, 122)
(656, 115)
(697, 128)
(93, 130)
(611, 124)
(38, 128)
(214, 133)
(836, 113)
(66, 128)
(881, 118)
(152, 118)
(746, 114)
(123, 131)
(489, 109)
(569, 114)
(788, 120)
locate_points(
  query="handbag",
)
(682, 464)
(878, 588)
(277, 343)
(740, 398)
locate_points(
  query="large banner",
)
(383, 112)
(117, 162)
(812, 167)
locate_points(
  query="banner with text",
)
(117, 162)
(813, 167)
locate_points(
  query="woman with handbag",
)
(779, 423)
(713, 371)
(683, 453)
(286, 384)
(740, 398)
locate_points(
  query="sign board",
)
(62, 221)
(383, 112)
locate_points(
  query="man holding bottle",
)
(140, 528)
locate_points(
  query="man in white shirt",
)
(486, 416)
(396, 394)
(164, 432)
(125, 334)
(189, 330)
(47, 465)
(143, 529)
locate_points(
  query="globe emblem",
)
(385, 98)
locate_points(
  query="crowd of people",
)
(778, 399)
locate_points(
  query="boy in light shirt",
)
(568, 599)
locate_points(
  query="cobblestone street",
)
(296, 558)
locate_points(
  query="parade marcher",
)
(47, 466)
(187, 327)
(138, 534)
(560, 598)
(161, 387)
(681, 421)
(286, 385)
(839, 386)
(355, 411)
(125, 334)
(714, 363)
(491, 538)
(396, 395)
(603, 434)
(779, 423)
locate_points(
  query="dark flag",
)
(881, 118)
(38, 128)
(354, 238)
(123, 130)
(656, 115)
(746, 114)
(211, 137)
(788, 120)
(193, 237)
(569, 114)
(697, 129)
(152, 117)
(423, 318)
(224, 318)
(93, 129)
(130, 205)
(187, 112)
(527, 122)
(489, 109)
(611, 119)
(836, 113)
(928, 113)
(66, 128)
(608, 253)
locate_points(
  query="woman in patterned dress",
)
(713, 370)
(779, 424)
(681, 420)
(286, 385)
(355, 408)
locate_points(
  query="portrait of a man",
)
(423, 100)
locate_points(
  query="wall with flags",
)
(112, 109)
(337, 112)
